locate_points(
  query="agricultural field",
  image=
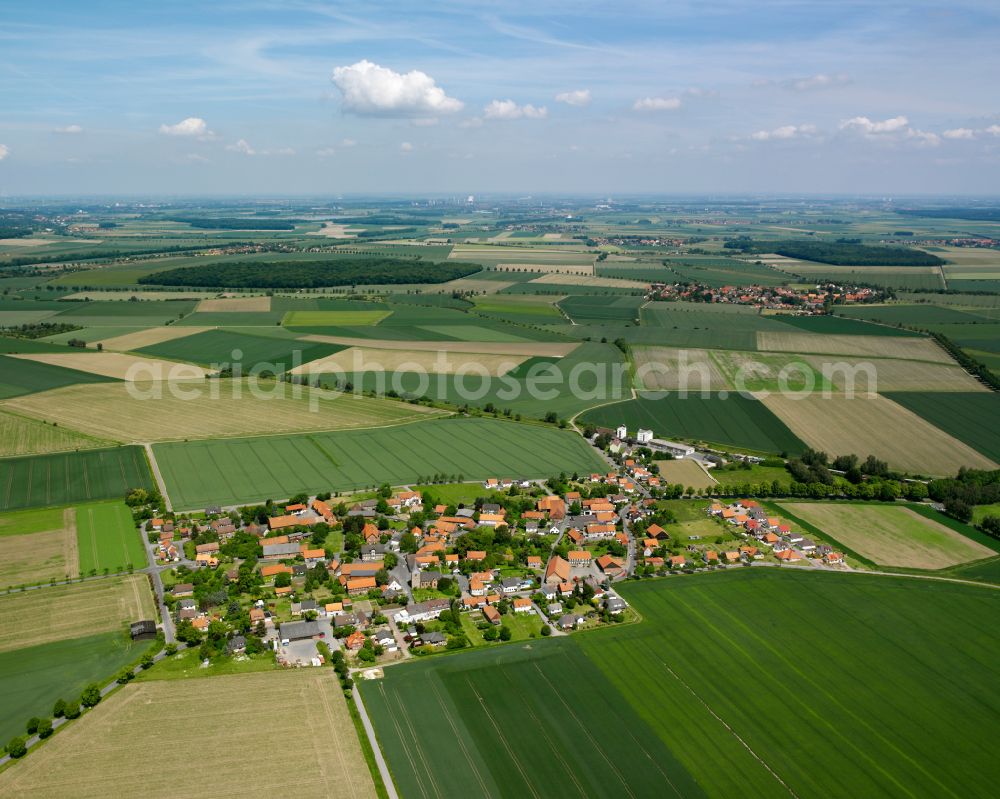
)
(685, 472)
(444, 725)
(37, 546)
(732, 421)
(55, 613)
(234, 304)
(442, 361)
(20, 435)
(491, 347)
(63, 479)
(252, 353)
(846, 325)
(96, 755)
(904, 348)
(117, 365)
(19, 376)
(891, 535)
(223, 408)
(242, 470)
(862, 425)
(880, 375)
(332, 318)
(107, 538)
(147, 337)
(917, 315)
(34, 677)
(697, 633)
(598, 310)
(964, 416)
(521, 309)
(670, 369)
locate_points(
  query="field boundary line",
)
(157, 477)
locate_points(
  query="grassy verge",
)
(366, 749)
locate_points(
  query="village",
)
(773, 298)
(371, 579)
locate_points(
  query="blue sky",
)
(773, 96)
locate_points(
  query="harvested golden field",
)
(893, 375)
(685, 472)
(235, 304)
(235, 725)
(891, 535)
(149, 337)
(133, 368)
(464, 284)
(670, 368)
(366, 359)
(53, 613)
(220, 408)
(332, 230)
(600, 282)
(550, 349)
(901, 347)
(878, 426)
(35, 557)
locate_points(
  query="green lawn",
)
(456, 493)
(523, 627)
(34, 520)
(107, 538)
(227, 471)
(187, 664)
(35, 677)
(71, 477)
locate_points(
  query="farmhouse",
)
(557, 570)
(299, 631)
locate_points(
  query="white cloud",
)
(820, 81)
(867, 126)
(192, 126)
(784, 132)
(959, 133)
(656, 104)
(578, 97)
(4, 151)
(923, 137)
(368, 88)
(69, 129)
(242, 146)
(993, 130)
(406, 147)
(508, 109)
(348, 143)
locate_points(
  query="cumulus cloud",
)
(656, 104)
(192, 126)
(923, 137)
(69, 129)
(959, 133)
(406, 147)
(508, 109)
(4, 151)
(578, 97)
(371, 89)
(820, 81)
(784, 132)
(867, 126)
(993, 130)
(242, 146)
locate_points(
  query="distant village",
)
(776, 298)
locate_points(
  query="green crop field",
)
(514, 721)
(734, 690)
(67, 478)
(19, 376)
(734, 420)
(325, 318)
(596, 310)
(964, 415)
(228, 471)
(710, 693)
(526, 309)
(918, 315)
(107, 539)
(841, 326)
(277, 354)
(33, 678)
